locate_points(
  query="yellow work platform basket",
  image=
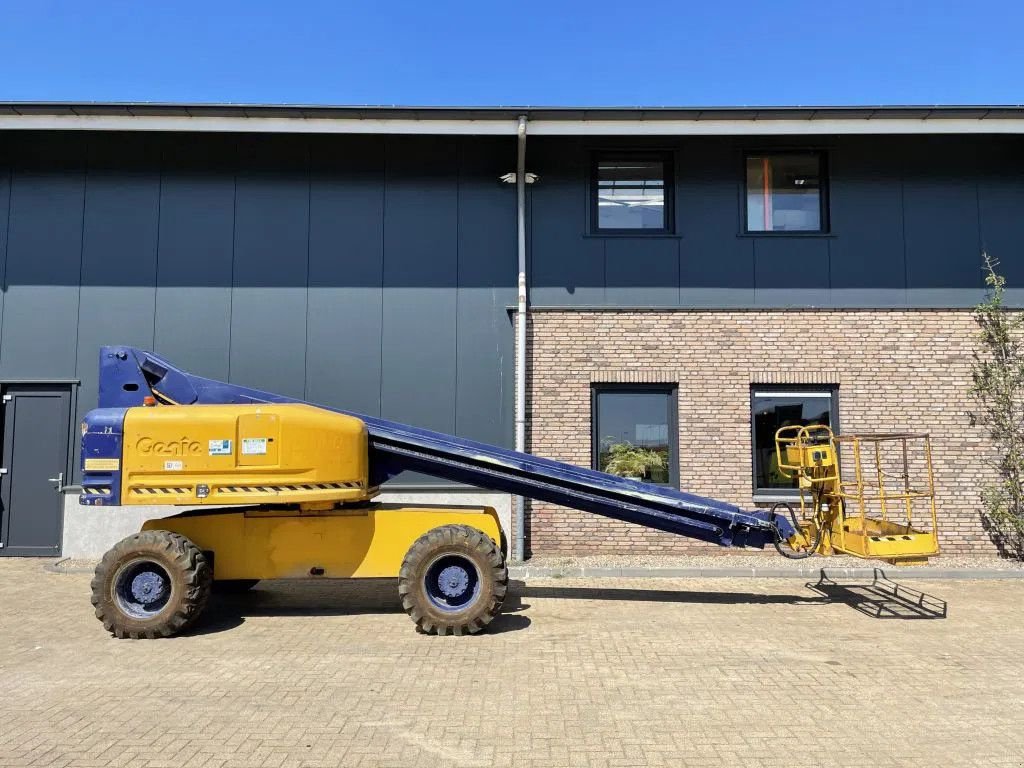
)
(868, 495)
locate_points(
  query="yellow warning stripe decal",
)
(281, 488)
(228, 489)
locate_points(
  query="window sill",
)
(812, 235)
(632, 235)
(762, 497)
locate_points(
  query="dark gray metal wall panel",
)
(486, 278)
(268, 300)
(716, 267)
(791, 271)
(5, 200)
(940, 208)
(420, 278)
(119, 251)
(196, 240)
(868, 266)
(343, 354)
(44, 252)
(566, 268)
(642, 271)
(1000, 207)
(867, 259)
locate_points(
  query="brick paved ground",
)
(599, 673)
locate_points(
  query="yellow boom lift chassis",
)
(868, 495)
(296, 477)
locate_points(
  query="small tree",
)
(997, 389)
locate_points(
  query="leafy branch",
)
(997, 389)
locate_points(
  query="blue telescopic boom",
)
(128, 375)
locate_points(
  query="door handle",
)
(58, 480)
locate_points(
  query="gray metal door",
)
(35, 457)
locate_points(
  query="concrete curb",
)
(527, 572)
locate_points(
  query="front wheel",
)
(151, 584)
(453, 581)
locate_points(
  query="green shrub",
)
(997, 389)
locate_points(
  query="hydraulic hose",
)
(792, 554)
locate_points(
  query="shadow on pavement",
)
(341, 597)
(882, 598)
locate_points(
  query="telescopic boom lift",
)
(278, 488)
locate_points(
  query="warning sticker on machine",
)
(254, 446)
(220, 447)
(174, 466)
(101, 465)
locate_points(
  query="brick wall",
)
(895, 370)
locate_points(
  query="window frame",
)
(665, 157)
(824, 219)
(785, 494)
(665, 388)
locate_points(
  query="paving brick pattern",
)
(605, 673)
(896, 371)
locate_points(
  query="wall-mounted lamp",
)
(510, 178)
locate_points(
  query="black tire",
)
(453, 581)
(151, 584)
(233, 586)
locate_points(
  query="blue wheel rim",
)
(142, 589)
(452, 583)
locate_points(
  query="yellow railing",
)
(887, 510)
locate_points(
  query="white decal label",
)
(174, 466)
(254, 446)
(220, 447)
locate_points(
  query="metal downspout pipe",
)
(519, 551)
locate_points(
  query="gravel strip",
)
(760, 561)
(760, 565)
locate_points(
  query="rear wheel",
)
(453, 581)
(151, 584)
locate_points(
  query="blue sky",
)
(635, 52)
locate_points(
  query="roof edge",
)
(283, 118)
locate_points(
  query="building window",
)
(786, 192)
(774, 408)
(636, 417)
(631, 193)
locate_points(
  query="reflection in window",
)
(641, 419)
(630, 194)
(774, 409)
(784, 192)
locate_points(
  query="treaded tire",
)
(233, 586)
(186, 583)
(456, 544)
